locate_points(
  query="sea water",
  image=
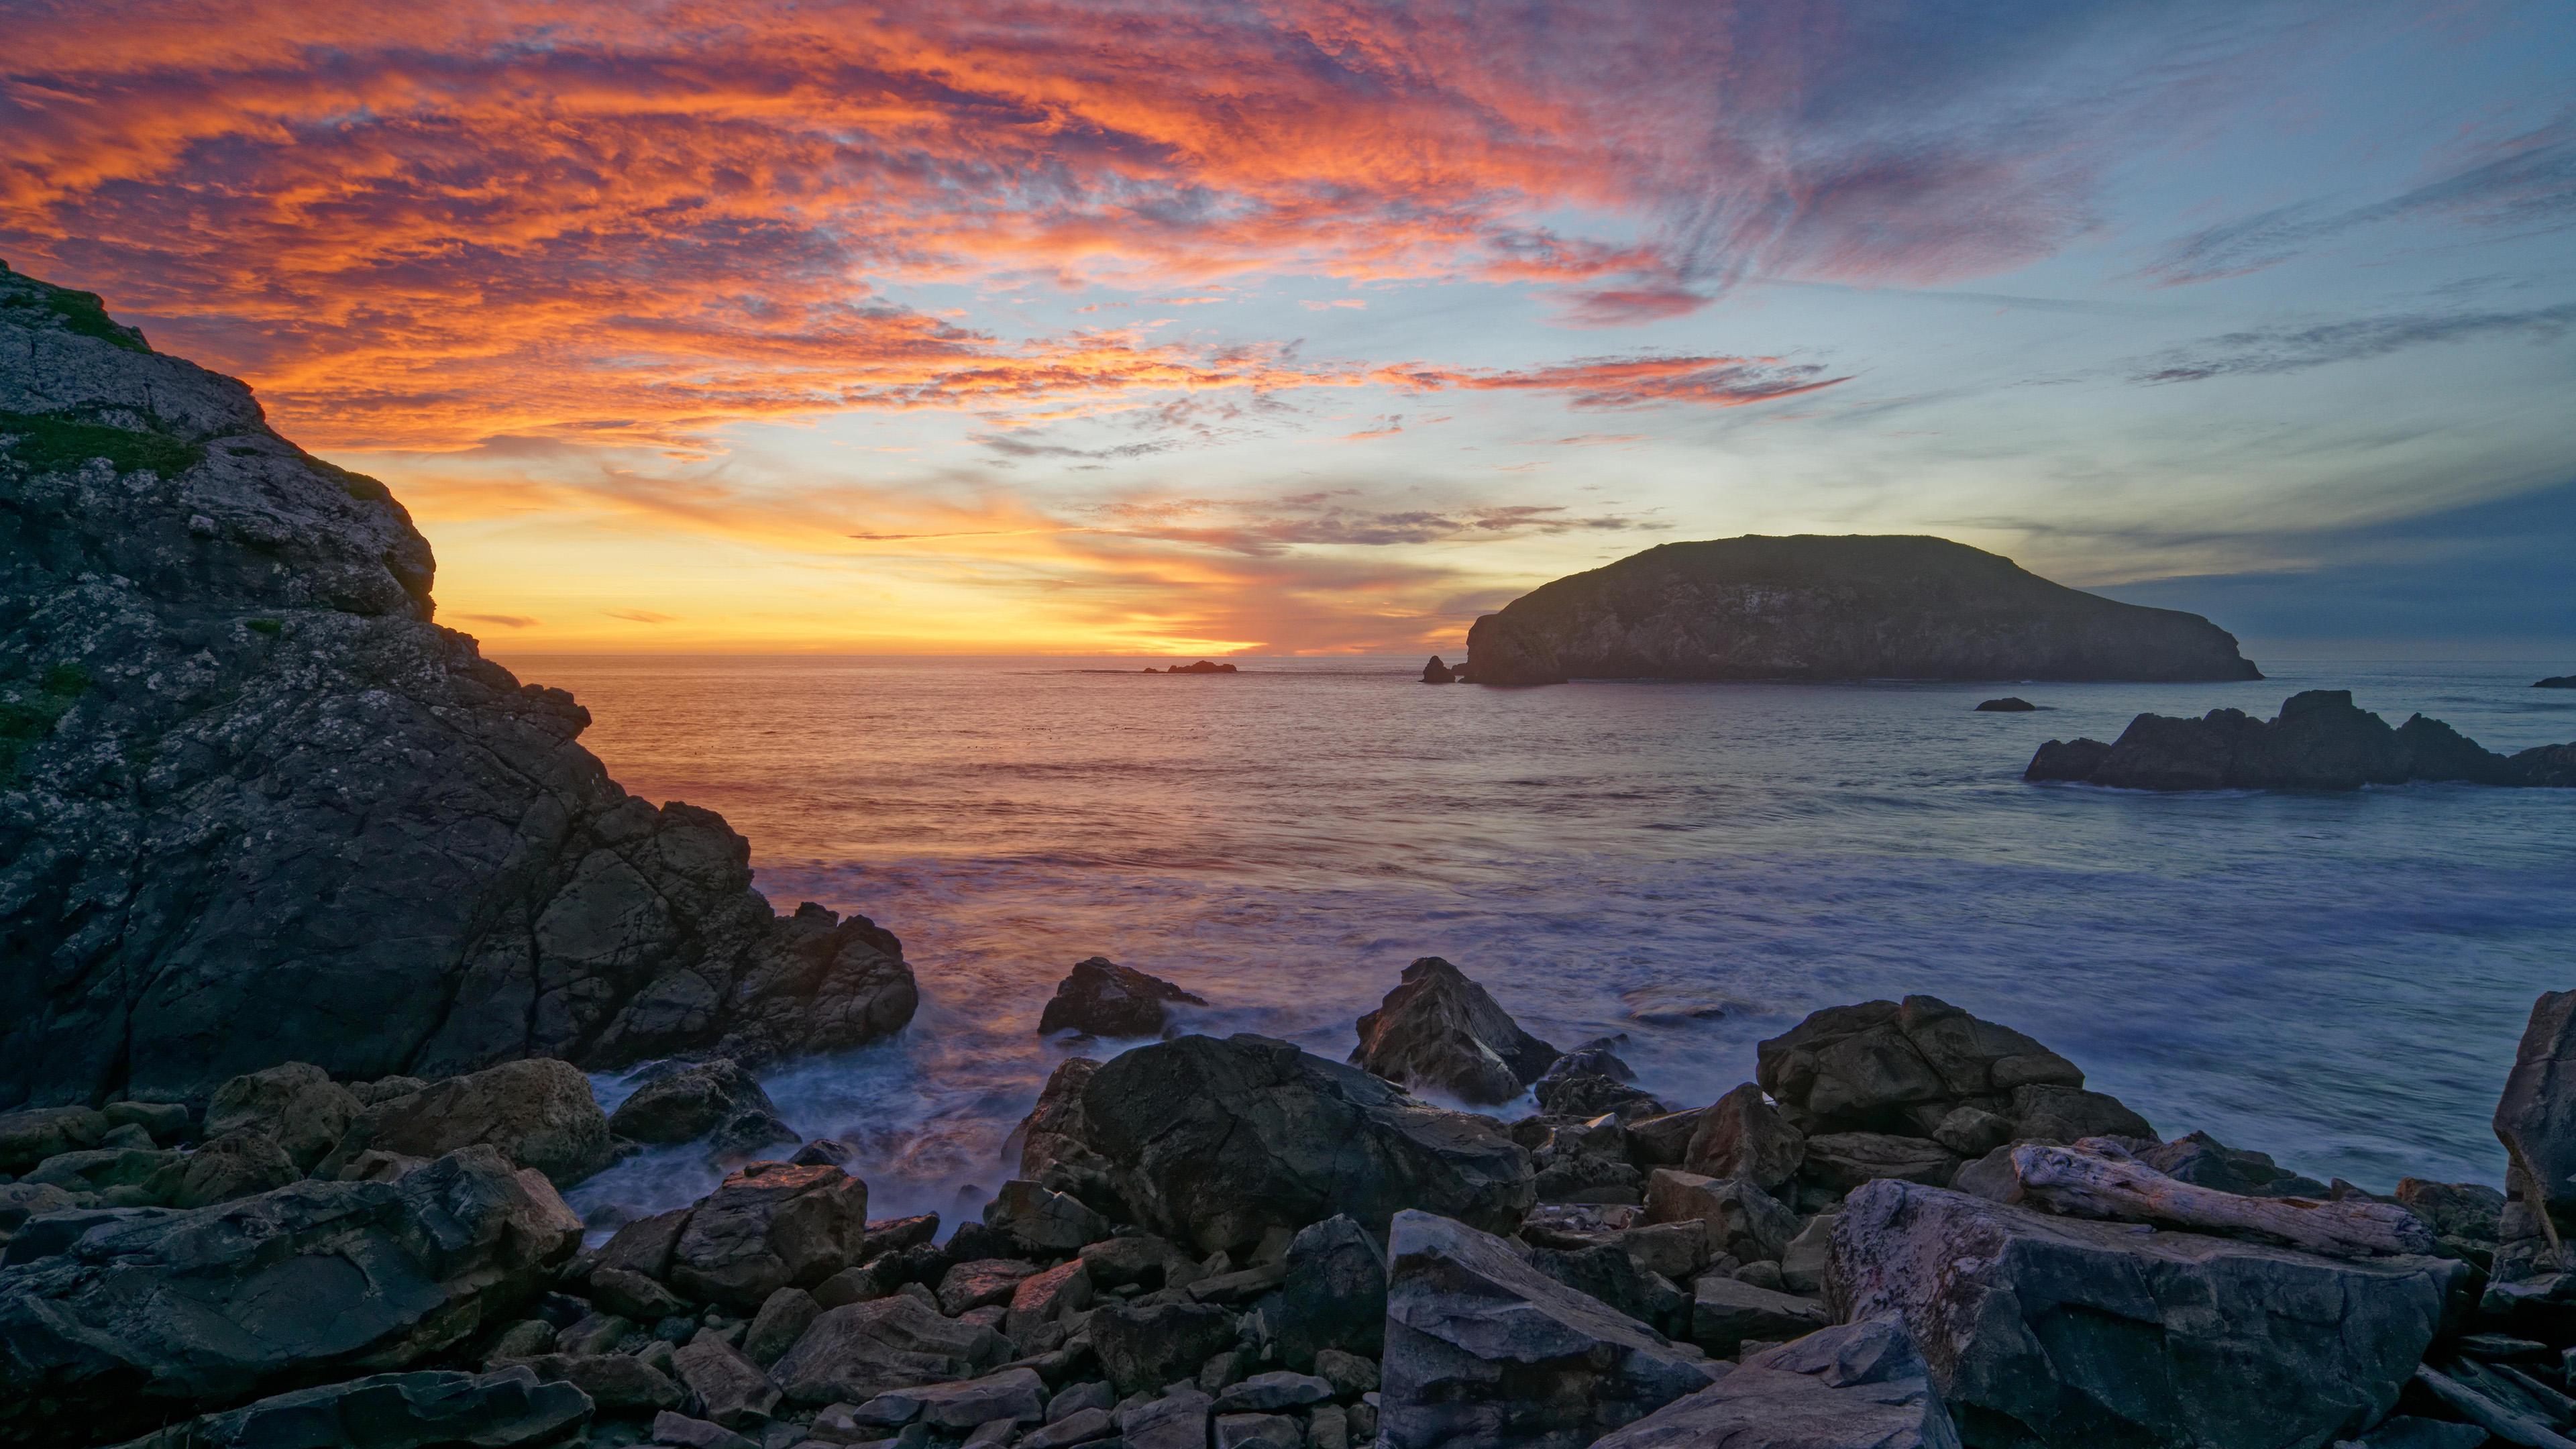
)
(2336, 979)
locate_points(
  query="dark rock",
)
(2535, 1119)
(1177, 1420)
(1103, 998)
(168, 1122)
(861, 1350)
(1884, 1066)
(1258, 1431)
(767, 1227)
(1081, 1426)
(1045, 1224)
(528, 1338)
(1841, 1161)
(1726, 1311)
(2466, 1217)
(1615, 1277)
(823, 1152)
(537, 1113)
(1216, 1143)
(1055, 1133)
(295, 1105)
(981, 1283)
(2074, 760)
(1141, 1259)
(1442, 1032)
(1436, 672)
(688, 1433)
(1268, 1393)
(783, 1318)
(1146, 1346)
(392, 1411)
(2058, 1330)
(295, 818)
(1739, 1217)
(894, 1235)
(728, 1387)
(1202, 667)
(1973, 1131)
(2553, 766)
(1484, 1350)
(2204, 1161)
(1664, 1141)
(691, 1102)
(644, 1245)
(1048, 1297)
(1590, 1081)
(747, 1135)
(2319, 741)
(1856, 1386)
(20, 1201)
(29, 1136)
(2556, 681)
(630, 1294)
(2006, 705)
(145, 1316)
(1335, 1295)
(1014, 1395)
(1857, 607)
(1804, 1262)
(2071, 1114)
(615, 1382)
(1742, 1135)
(597, 1333)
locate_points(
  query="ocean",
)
(2338, 980)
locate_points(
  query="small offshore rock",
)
(1437, 672)
(1102, 998)
(1442, 1031)
(2007, 705)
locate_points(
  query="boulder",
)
(783, 1318)
(1080, 1426)
(1177, 1420)
(1664, 1141)
(1484, 1350)
(1441, 1032)
(1726, 1311)
(1047, 1297)
(1739, 1218)
(1055, 1132)
(1350, 1374)
(295, 1105)
(2204, 1161)
(2059, 1330)
(237, 1165)
(729, 1388)
(168, 1309)
(768, 1226)
(644, 1245)
(982, 1283)
(615, 1382)
(632, 1295)
(690, 1101)
(1612, 1276)
(1744, 1136)
(1841, 1161)
(2070, 761)
(1015, 1395)
(1102, 998)
(1437, 672)
(1217, 1143)
(1856, 1386)
(687, 1433)
(1045, 1224)
(2009, 704)
(1591, 1080)
(1901, 1067)
(538, 1113)
(749, 1134)
(31, 1135)
(2071, 1114)
(2535, 1119)
(1147, 1261)
(861, 1350)
(1804, 1262)
(1334, 1296)
(894, 1235)
(392, 1411)
(1145, 1346)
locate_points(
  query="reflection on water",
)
(2336, 979)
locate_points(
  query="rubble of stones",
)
(2319, 741)
(1914, 1228)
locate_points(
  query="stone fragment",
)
(1335, 1293)
(295, 1105)
(1804, 1262)
(32, 1134)
(1082, 1426)
(1048, 1297)
(538, 1113)
(2063, 1330)
(2071, 1114)
(1348, 1373)
(1841, 1161)
(767, 1227)
(730, 1388)
(616, 1382)
(1103, 998)
(688, 1433)
(1442, 1032)
(1046, 1224)
(632, 1295)
(1216, 1143)
(783, 1318)
(391, 1411)
(1014, 1395)
(1856, 1386)
(1483, 1350)
(861, 1350)
(1146, 1261)
(1258, 1431)
(684, 1102)
(644, 1245)
(1738, 1217)
(1726, 1311)
(1146, 1346)
(1744, 1136)
(895, 1235)
(1177, 1420)
(981, 1283)
(1268, 1393)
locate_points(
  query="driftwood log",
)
(2509, 1424)
(2086, 1182)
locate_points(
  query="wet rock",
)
(615, 1382)
(1177, 1420)
(1437, 672)
(2204, 1161)
(2009, 704)
(1482, 1349)
(2319, 741)
(1056, 1133)
(2072, 761)
(1145, 1346)
(1856, 1386)
(1738, 1217)
(1442, 1032)
(1102, 998)
(687, 1433)
(1726, 1311)
(767, 1227)
(1591, 1080)
(1144, 1260)
(143, 1319)
(690, 1101)
(1334, 1296)
(1841, 1161)
(861, 1350)
(527, 1338)
(2068, 1331)
(1743, 1135)
(730, 1389)
(783, 1318)
(538, 1114)
(982, 1282)
(391, 1411)
(1045, 1224)
(1217, 1143)
(1885, 1066)
(295, 1105)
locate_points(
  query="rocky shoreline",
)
(2319, 741)
(1915, 1227)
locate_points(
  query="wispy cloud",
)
(2296, 349)
(1635, 382)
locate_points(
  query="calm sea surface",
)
(2338, 980)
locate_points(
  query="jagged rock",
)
(271, 810)
(1726, 1311)
(1742, 1135)
(1973, 1131)
(861, 1350)
(147, 1316)
(1016, 1395)
(1335, 1294)
(690, 1101)
(783, 1318)
(1442, 1032)
(1739, 1217)
(391, 1411)
(1803, 1263)
(385, 1089)
(1665, 1141)
(632, 1295)
(730, 1389)
(1048, 1297)
(1055, 1131)
(1885, 1066)
(1046, 1224)
(1102, 998)
(1437, 672)
(644, 1245)
(2071, 1114)
(2465, 1216)
(982, 1283)
(767, 1227)
(1144, 1346)
(2319, 741)
(295, 1105)
(895, 1235)
(1855, 1386)
(1857, 607)
(1216, 1143)
(2010, 704)
(1081, 1426)
(107, 1169)
(526, 1339)
(1350, 1374)
(689, 1433)
(1610, 1275)
(2060, 1330)
(537, 1113)
(29, 1136)
(1484, 1350)
(615, 1382)
(1591, 1080)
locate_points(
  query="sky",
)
(1306, 326)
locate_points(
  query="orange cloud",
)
(1632, 382)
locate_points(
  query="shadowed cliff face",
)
(255, 806)
(1857, 607)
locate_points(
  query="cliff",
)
(255, 806)
(1855, 607)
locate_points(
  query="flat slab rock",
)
(391, 1411)
(1855, 1386)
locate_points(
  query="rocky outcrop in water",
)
(1857, 607)
(2319, 741)
(1437, 672)
(255, 806)
(1099, 997)
(2556, 681)
(1442, 1032)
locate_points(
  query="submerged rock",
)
(1102, 998)
(2319, 741)
(1443, 1032)
(1856, 607)
(261, 807)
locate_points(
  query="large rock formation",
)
(1857, 607)
(2319, 741)
(255, 806)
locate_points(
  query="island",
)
(1202, 667)
(1812, 607)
